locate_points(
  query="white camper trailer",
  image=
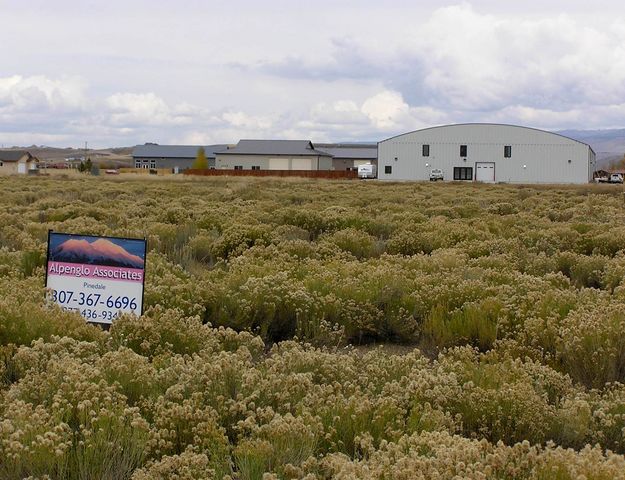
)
(368, 170)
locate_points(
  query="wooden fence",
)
(331, 174)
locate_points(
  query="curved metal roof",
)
(487, 125)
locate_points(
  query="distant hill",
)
(608, 144)
(113, 157)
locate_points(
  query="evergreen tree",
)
(200, 163)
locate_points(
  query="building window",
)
(255, 167)
(388, 169)
(463, 150)
(238, 167)
(426, 150)
(145, 160)
(138, 164)
(507, 151)
(463, 173)
(153, 164)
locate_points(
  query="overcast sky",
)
(123, 72)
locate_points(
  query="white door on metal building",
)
(301, 164)
(278, 164)
(484, 172)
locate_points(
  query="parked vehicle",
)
(612, 178)
(436, 174)
(368, 170)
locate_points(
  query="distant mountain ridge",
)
(608, 144)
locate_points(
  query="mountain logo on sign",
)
(99, 252)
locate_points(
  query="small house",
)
(18, 162)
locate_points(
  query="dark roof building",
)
(176, 157)
(259, 155)
(347, 156)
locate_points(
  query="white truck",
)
(368, 170)
(436, 174)
(612, 178)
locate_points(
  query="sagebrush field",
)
(318, 330)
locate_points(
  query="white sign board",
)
(100, 277)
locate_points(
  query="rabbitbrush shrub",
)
(316, 330)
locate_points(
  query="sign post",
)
(100, 277)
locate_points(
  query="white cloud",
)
(145, 109)
(386, 110)
(340, 112)
(382, 114)
(246, 121)
(482, 62)
(37, 93)
(540, 117)
(464, 65)
(359, 74)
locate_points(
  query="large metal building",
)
(486, 153)
(273, 155)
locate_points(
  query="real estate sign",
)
(100, 277)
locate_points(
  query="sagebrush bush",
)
(186, 466)
(24, 318)
(499, 310)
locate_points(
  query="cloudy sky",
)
(122, 72)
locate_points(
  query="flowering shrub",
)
(187, 466)
(500, 310)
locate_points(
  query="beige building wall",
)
(279, 164)
(8, 168)
(273, 162)
(22, 166)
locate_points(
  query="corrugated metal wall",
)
(537, 156)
